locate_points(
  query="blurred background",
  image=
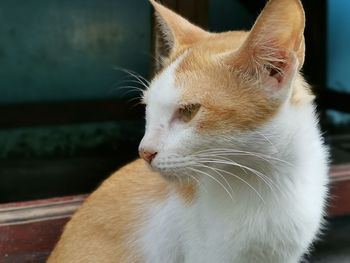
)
(69, 114)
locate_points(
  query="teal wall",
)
(63, 50)
(338, 54)
(338, 45)
(59, 50)
(225, 15)
(55, 50)
(66, 50)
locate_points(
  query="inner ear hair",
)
(162, 48)
(274, 65)
(275, 71)
(260, 62)
(173, 33)
(274, 41)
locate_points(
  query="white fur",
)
(267, 224)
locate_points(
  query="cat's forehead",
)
(214, 44)
(218, 43)
(195, 62)
(163, 88)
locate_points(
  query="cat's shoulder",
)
(132, 182)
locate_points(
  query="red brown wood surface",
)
(339, 202)
(44, 202)
(30, 238)
(30, 230)
(30, 242)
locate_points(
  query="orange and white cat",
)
(234, 165)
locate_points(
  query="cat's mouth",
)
(173, 162)
(173, 167)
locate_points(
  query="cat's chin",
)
(175, 176)
(173, 168)
(170, 177)
(168, 174)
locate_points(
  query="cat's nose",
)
(147, 155)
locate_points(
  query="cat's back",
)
(102, 229)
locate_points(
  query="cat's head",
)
(216, 90)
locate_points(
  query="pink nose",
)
(148, 156)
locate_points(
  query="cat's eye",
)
(187, 112)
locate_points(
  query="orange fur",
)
(240, 106)
(107, 219)
(231, 65)
(187, 192)
(104, 229)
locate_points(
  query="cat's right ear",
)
(176, 32)
(274, 50)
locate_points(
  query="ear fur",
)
(176, 31)
(275, 43)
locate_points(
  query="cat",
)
(233, 167)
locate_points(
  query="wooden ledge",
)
(64, 207)
(340, 173)
(41, 210)
(29, 230)
(339, 202)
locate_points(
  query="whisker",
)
(194, 178)
(239, 152)
(241, 179)
(213, 178)
(135, 102)
(223, 177)
(197, 180)
(260, 175)
(144, 82)
(130, 90)
(136, 82)
(267, 139)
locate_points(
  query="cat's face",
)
(216, 91)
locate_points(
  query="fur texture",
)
(239, 172)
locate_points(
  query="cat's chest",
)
(178, 232)
(220, 233)
(210, 239)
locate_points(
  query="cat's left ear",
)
(274, 50)
(177, 32)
